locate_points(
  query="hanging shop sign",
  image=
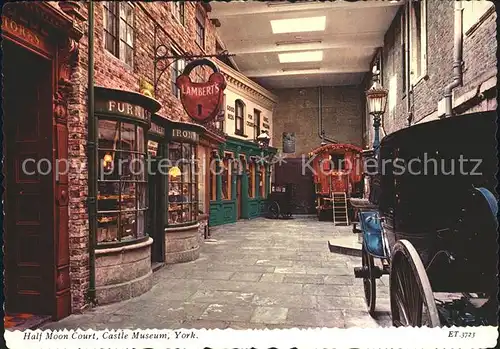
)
(288, 142)
(152, 148)
(202, 101)
(184, 136)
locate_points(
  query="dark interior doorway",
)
(294, 170)
(29, 205)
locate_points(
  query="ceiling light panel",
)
(306, 56)
(298, 25)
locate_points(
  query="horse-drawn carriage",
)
(281, 201)
(433, 223)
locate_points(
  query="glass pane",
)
(140, 140)
(186, 172)
(142, 196)
(108, 165)
(175, 192)
(194, 216)
(128, 225)
(128, 137)
(110, 43)
(129, 13)
(123, 7)
(122, 50)
(185, 193)
(108, 195)
(123, 30)
(108, 134)
(141, 224)
(174, 151)
(187, 151)
(129, 55)
(174, 213)
(107, 227)
(130, 35)
(128, 197)
(186, 213)
(193, 193)
(125, 166)
(140, 167)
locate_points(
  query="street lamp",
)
(376, 99)
(263, 140)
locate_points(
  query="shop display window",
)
(121, 182)
(213, 178)
(262, 182)
(226, 177)
(251, 180)
(182, 184)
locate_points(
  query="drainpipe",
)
(321, 131)
(92, 157)
(457, 60)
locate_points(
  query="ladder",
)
(339, 203)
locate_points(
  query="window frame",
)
(239, 118)
(417, 58)
(200, 28)
(175, 71)
(251, 180)
(115, 11)
(179, 12)
(256, 122)
(262, 179)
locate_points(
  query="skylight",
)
(306, 56)
(297, 25)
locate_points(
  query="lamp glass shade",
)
(376, 98)
(263, 139)
(174, 172)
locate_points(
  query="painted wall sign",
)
(288, 142)
(230, 108)
(157, 129)
(18, 30)
(264, 125)
(230, 116)
(250, 124)
(152, 148)
(122, 108)
(250, 116)
(202, 101)
(266, 119)
(184, 135)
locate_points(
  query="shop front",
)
(242, 181)
(122, 242)
(174, 191)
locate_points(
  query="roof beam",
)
(347, 42)
(223, 10)
(304, 71)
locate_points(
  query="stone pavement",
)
(256, 274)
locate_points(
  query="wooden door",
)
(29, 193)
(291, 171)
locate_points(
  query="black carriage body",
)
(284, 195)
(425, 192)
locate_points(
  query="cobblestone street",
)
(252, 274)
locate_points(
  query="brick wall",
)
(297, 111)
(113, 73)
(479, 56)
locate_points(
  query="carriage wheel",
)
(412, 300)
(369, 281)
(274, 210)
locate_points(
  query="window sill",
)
(121, 244)
(421, 78)
(469, 31)
(201, 48)
(240, 135)
(119, 61)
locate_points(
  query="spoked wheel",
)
(274, 210)
(369, 284)
(412, 300)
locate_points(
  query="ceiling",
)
(353, 32)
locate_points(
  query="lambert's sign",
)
(202, 100)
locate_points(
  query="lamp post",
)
(263, 140)
(376, 99)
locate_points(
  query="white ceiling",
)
(354, 30)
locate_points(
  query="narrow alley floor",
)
(253, 274)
